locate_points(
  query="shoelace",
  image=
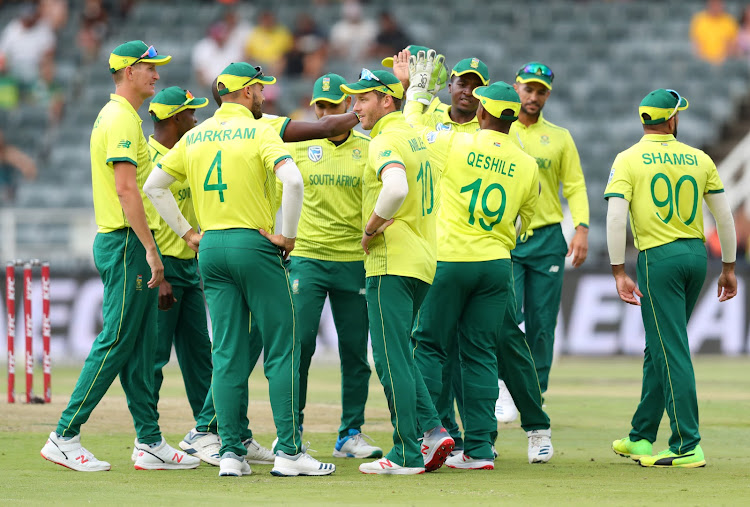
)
(361, 436)
(537, 441)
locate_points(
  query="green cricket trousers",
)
(393, 306)
(538, 266)
(127, 343)
(185, 326)
(242, 273)
(344, 283)
(670, 278)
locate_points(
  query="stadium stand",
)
(606, 56)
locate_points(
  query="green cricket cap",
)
(472, 65)
(328, 88)
(497, 98)
(376, 80)
(661, 105)
(535, 72)
(132, 52)
(413, 49)
(173, 100)
(241, 74)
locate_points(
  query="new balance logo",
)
(425, 449)
(386, 463)
(178, 457)
(82, 459)
(554, 269)
(124, 144)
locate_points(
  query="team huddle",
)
(438, 236)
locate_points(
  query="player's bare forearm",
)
(375, 225)
(328, 126)
(727, 282)
(579, 246)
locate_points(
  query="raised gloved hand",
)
(439, 76)
(421, 67)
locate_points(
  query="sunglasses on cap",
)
(149, 53)
(189, 98)
(537, 68)
(367, 75)
(676, 95)
(258, 73)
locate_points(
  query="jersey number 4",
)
(475, 189)
(219, 185)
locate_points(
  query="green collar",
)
(127, 105)
(388, 119)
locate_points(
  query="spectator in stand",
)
(93, 30)
(391, 37)
(55, 13)
(714, 33)
(309, 52)
(212, 54)
(12, 162)
(268, 43)
(352, 35)
(27, 43)
(48, 92)
(8, 87)
(238, 30)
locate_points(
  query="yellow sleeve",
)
(573, 184)
(272, 149)
(381, 154)
(123, 139)
(439, 143)
(713, 181)
(173, 163)
(528, 208)
(414, 113)
(619, 183)
(278, 123)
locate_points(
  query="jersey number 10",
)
(425, 176)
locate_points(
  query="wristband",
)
(369, 234)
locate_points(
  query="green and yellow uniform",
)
(437, 118)
(400, 269)
(185, 324)
(486, 182)
(228, 161)
(328, 260)
(125, 347)
(664, 181)
(539, 256)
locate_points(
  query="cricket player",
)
(539, 256)
(663, 183)
(184, 320)
(399, 240)
(230, 161)
(328, 260)
(486, 183)
(128, 261)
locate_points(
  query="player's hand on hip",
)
(285, 245)
(579, 246)
(157, 268)
(193, 239)
(366, 238)
(166, 296)
(627, 290)
(727, 285)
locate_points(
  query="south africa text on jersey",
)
(333, 179)
(219, 135)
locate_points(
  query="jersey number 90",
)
(672, 198)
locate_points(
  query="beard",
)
(257, 110)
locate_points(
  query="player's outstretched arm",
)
(126, 186)
(328, 126)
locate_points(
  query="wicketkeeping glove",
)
(439, 75)
(421, 68)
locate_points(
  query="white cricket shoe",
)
(205, 446)
(163, 457)
(466, 463)
(71, 454)
(300, 464)
(505, 408)
(232, 465)
(354, 446)
(437, 445)
(257, 454)
(540, 446)
(385, 466)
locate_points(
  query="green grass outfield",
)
(590, 404)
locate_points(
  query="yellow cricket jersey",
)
(486, 182)
(117, 137)
(408, 246)
(557, 158)
(228, 161)
(170, 244)
(664, 180)
(437, 118)
(278, 123)
(330, 227)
